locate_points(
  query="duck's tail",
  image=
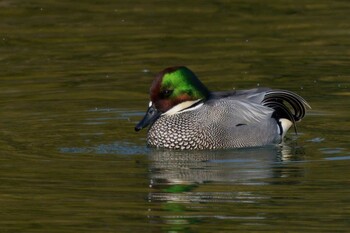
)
(287, 105)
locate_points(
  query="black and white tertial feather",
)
(282, 102)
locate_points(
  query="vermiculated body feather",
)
(228, 120)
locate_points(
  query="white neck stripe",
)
(183, 107)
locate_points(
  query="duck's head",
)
(173, 89)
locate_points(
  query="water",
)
(74, 82)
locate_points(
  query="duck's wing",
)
(286, 104)
(255, 95)
(241, 106)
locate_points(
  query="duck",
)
(184, 114)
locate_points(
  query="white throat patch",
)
(183, 107)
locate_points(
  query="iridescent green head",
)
(175, 85)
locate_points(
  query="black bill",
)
(151, 115)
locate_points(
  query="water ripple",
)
(120, 148)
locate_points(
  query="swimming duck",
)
(184, 114)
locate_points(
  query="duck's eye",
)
(166, 93)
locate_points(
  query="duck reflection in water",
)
(180, 179)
